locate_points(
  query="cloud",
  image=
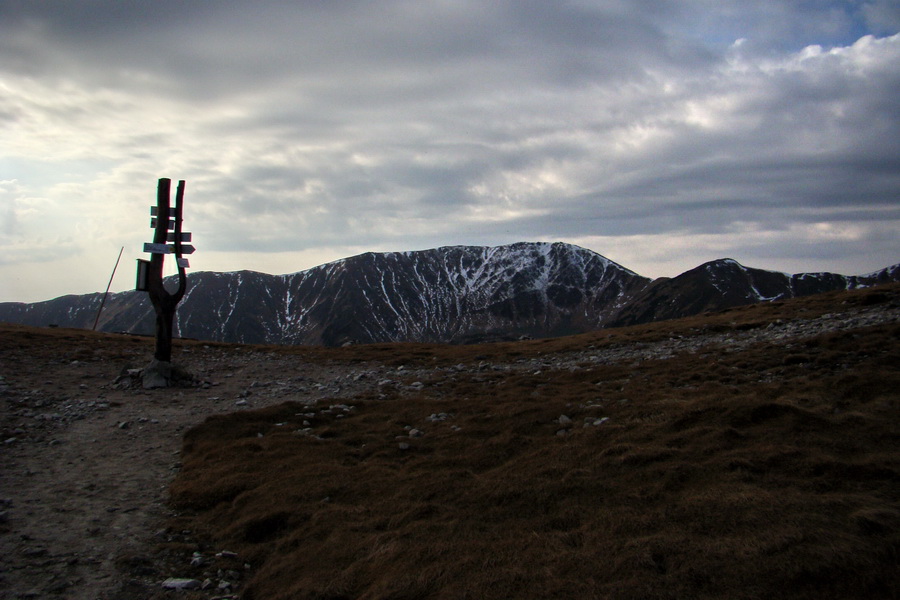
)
(310, 129)
(882, 16)
(9, 199)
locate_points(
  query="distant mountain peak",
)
(451, 294)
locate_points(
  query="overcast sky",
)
(659, 133)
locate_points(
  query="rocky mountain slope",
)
(725, 283)
(455, 294)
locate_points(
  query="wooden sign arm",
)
(160, 234)
(182, 276)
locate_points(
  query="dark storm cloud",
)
(404, 124)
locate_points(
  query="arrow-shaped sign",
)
(171, 223)
(185, 249)
(155, 209)
(157, 248)
(185, 236)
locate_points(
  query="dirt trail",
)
(85, 471)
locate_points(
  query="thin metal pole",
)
(108, 285)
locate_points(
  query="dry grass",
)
(771, 472)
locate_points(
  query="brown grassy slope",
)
(770, 471)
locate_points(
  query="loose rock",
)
(174, 583)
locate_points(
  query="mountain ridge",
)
(450, 294)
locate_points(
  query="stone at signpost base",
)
(161, 374)
(157, 374)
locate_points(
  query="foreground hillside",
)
(728, 457)
(745, 454)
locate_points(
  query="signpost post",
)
(168, 238)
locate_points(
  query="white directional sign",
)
(155, 209)
(157, 248)
(185, 236)
(171, 223)
(185, 249)
(183, 262)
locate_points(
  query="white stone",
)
(175, 583)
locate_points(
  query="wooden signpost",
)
(168, 238)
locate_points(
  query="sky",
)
(659, 133)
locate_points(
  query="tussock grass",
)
(768, 472)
